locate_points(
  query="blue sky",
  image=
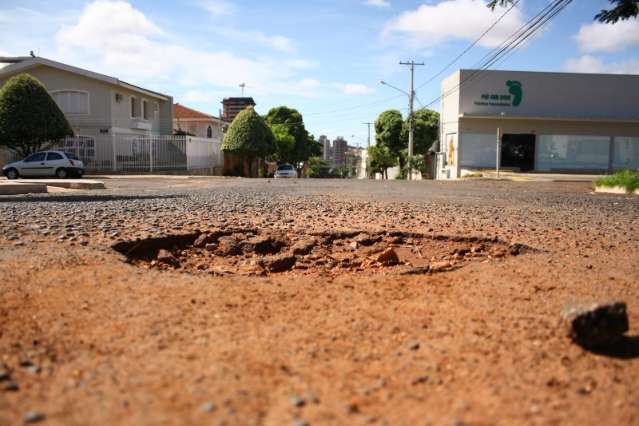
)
(323, 57)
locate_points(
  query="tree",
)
(621, 10)
(30, 120)
(284, 142)
(388, 133)
(425, 130)
(381, 159)
(293, 120)
(318, 168)
(249, 137)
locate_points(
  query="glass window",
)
(53, 156)
(570, 152)
(209, 132)
(71, 156)
(39, 156)
(145, 112)
(625, 153)
(134, 107)
(72, 101)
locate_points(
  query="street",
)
(460, 328)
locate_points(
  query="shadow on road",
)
(626, 348)
(84, 198)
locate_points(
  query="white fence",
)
(133, 153)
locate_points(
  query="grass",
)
(628, 179)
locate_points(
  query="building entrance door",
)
(518, 151)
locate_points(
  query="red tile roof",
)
(180, 111)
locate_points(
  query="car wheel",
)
(61, 173)
(12, 174)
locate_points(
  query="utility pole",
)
(243, 85)
(411, 98)
(368, 145)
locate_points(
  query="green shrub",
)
(628, 179)
(30, 120)
(249, 136)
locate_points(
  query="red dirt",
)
(479, 345)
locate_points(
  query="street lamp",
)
(410, 124)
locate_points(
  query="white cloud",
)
(218, 8)
(598, 37)
(309, 83)
(354, 88)
(430, 25)
(377, 3)
(196, 96)
(114, 38)
(591, 64)
(276, 42)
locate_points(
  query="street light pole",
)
(368, 145)
(411, 127)
(411, 98)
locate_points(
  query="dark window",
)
(35, 157)
(209, 132)
(52, 156)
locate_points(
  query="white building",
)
(547, 121)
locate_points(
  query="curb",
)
(614, 190)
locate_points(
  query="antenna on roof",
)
(243, 85)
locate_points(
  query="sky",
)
(325, 58)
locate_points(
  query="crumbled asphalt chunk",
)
(596, 325)
(278, 263)
(388, 257)
(33, 417)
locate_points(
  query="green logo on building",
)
(514, 88)
(512, 99)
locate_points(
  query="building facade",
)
(233, 106)
(547, 122)
(326, 147)
(96, 104)
(340, 147)
(196, 123)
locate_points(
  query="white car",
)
(285, 171)
(46, 163)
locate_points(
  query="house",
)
(102, 110)
(197, 123)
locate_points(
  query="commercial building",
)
(547, 122)
(233, 106)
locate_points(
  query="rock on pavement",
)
(597, 324)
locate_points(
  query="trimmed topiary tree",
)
(30, 120)
(249, 138)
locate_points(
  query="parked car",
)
(59, 164)
(285, 171)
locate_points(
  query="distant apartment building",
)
(340, 147)
(326, 147)
(233, 106)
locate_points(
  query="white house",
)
(99, 108)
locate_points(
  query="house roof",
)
(23, 63)
(180, 112)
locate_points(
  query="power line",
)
(470, 46)
(514, 41)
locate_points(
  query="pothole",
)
(259, 252)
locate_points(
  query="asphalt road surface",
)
(214, 335)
